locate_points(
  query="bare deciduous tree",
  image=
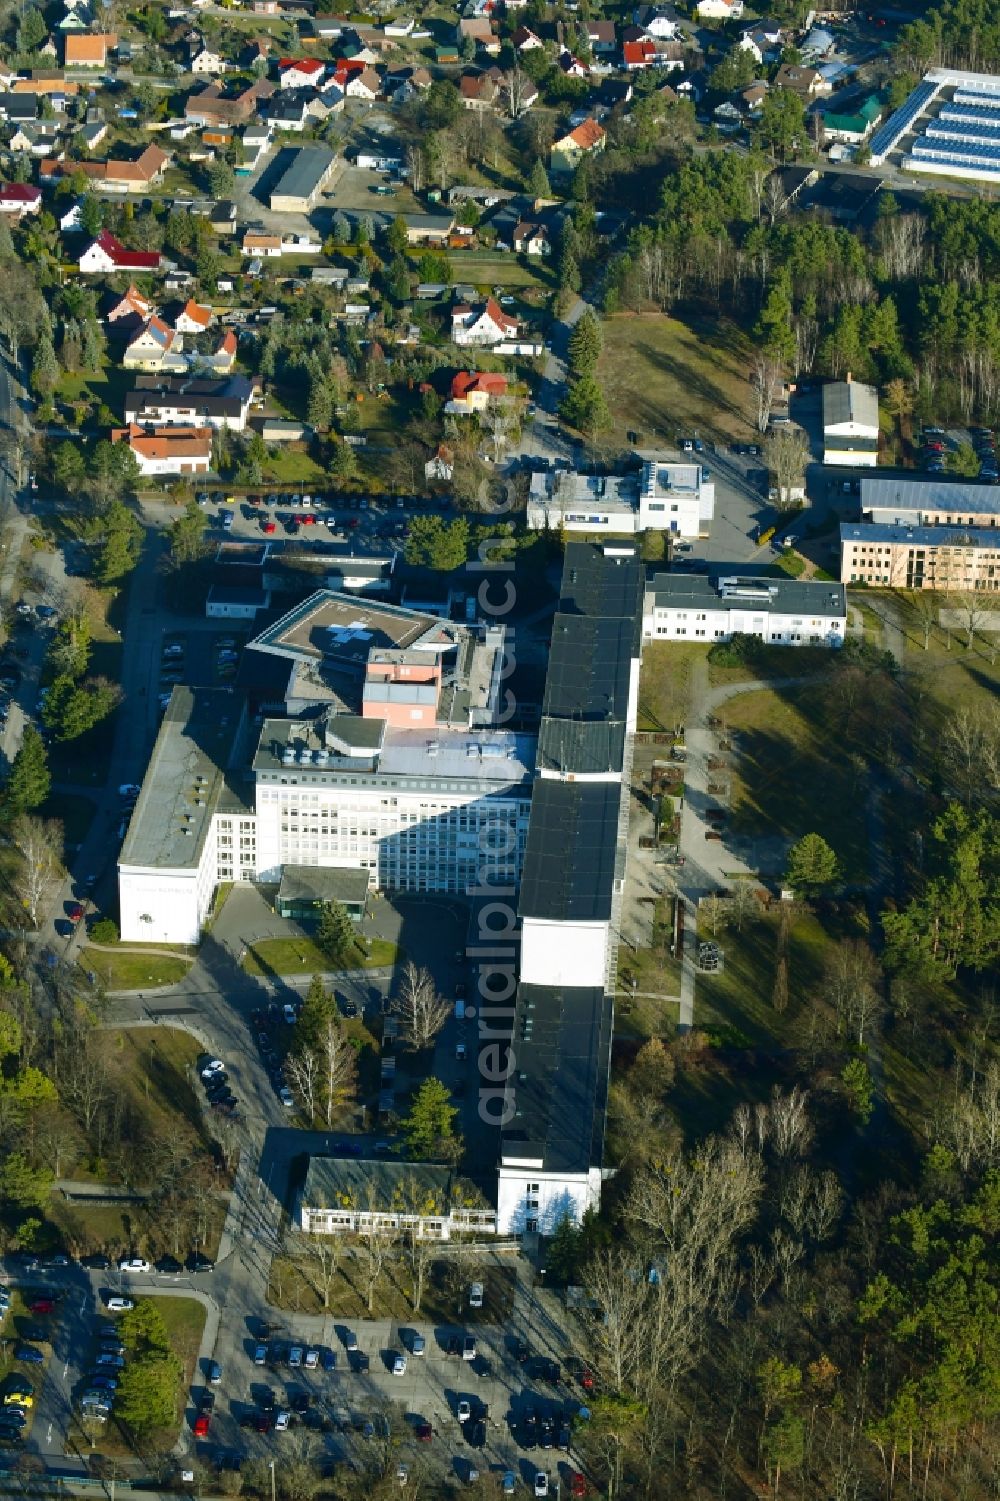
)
(303, 1070)
(973, 610)
(970, 751)
(851, 985)
(422, 1011)
(40, 843)
(616, 1282)
(375, 1247)
(787, 454)
(765, 377)
(789, 1127)
(338, 1069)
(318, 1257)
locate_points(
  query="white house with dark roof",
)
(850, 423)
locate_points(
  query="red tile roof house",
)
(107, 254)
(300, 72)
(173, 450)
(20, 198)
(116, 176)
(472, 391)
(637, 55)
(193, 318)
(488, 324)
(126, 314)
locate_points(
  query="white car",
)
(541, 1483)
(286, 1097)
(464, 1410)
(120, 1305)
(476, 1295)
(281, 1421)
(214, 1066)
(399, 1365)
(129, 789)
(288, 1012)
(133, 1264)
(312, 1360)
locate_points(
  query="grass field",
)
(484, 269)
(185, 1321)
(662, 377)
(793, 776)
(294, 956)
(130, 969)
(665, 682)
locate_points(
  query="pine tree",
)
(29, 780)
(335, 932)
(429, 1127)
(812, 866)
(538, 181)
(44, 368)
(585, 344)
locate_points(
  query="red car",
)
(75, 912)
(424, 1432)
(587, 1380)
(201, 1425)
(42, 1305)
(577, 1484)
(268, 527)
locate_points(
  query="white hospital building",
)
(388, 759)
(665, 495)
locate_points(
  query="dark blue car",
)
(29, 1354)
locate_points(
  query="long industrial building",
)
(948, 127)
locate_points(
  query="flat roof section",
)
(589, 667)
(929, 495)
(562, 1052)
(183, 781)
(921, 536)
(347, 884)
(329, 742)
(569, 861)
(342, 629)
(697, 591)
(601, 580)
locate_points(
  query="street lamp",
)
(271, 1468)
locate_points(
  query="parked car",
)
(134, 1264)
(214, 1372)
(260, 1355)
(476, 1295)
(469, 1347)
(399, 1365)
(202, 1423)
(119, 1305)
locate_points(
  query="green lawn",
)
(300, 956)
(498, 270)
(663, 377)
(185, 1321)
(131, 969)
(793, 771)
(664, 682)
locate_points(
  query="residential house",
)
(300, 72)
(762, 40)
(107, 255)
(660, 23)
(256, 141)
(39, 138)
(210, 106)
(567, 63)
(808, 83)
(850, 423)
(331, 99)
(852, 125)
(169, 401)
(366, 85)
(194, 318)
(206, 62)
(481, 30)
(18, 109)
(169, 450)
(400, 28)
(485, 325)
(69, 219)
(583, 140)
(290, 111)
(92, 134)
(526, 40)
(719, 10)
(155, 347)
(531, 239)
(18, 199)
(603, 37)
(49, 83)
(440, 466)
(428, 229)
(638, 55)
(752, 99)
(127, 313)
(256, 52)
(477, 91)
(472, 391)
(223, 358)
(260, 242)
(328, 28)
(87, 49)
(114, 176)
